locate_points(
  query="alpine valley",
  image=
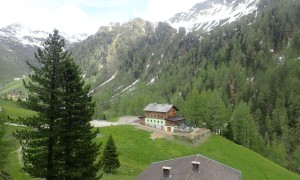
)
(231, 64)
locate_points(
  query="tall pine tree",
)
(38, 142)
(58, 144)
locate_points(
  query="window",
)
(151, 120)
(154, 121)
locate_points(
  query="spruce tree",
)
(58, 143)
(192, 110)
(78, 149)
(109, 160)
(38, 142)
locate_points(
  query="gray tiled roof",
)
(159, 107)
(181, 169)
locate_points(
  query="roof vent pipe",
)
(166, 171)
(196, 165)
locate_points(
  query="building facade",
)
(161, 116)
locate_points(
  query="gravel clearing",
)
(125, 120)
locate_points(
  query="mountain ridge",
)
(16, 39)
(211, 13)
(18, 45)
(26, 36)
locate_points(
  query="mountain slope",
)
(207, 76)
(28, 37)
(212, 13)
(18, 44)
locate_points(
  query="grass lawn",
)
(13, 110)
(13, 165)
(137, 151)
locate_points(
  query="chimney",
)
(166, 171)
(196, 165)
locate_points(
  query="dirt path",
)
(156, 133)
(124, 120)
(20, 155)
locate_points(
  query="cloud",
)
(79, 16)
(67, 17)
(71, 16)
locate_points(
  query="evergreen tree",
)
(38, 142)
(109, 160)
(78, 149)
(192, 108)
(213, 111)
(243, 128)
(296, 159)
(277, 152)
(58, 144)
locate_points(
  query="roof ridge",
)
(197, 157)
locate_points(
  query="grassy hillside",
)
(10, 144)
(13, 86)
(137, 151)
(14, 110)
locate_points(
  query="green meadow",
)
(10, 145)
(137, 151)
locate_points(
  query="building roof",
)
(175, 118)
(181, 168)
(159, 107)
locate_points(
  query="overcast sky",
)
(85, 16)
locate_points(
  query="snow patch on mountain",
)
(27, 36)
(128, 87)
(110, 79)
(211, 13)
(136, 81)
(151, 81)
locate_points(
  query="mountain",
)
(18, 44)
(28, 37)
(240, 79)
(112, 49)
(212, 13)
